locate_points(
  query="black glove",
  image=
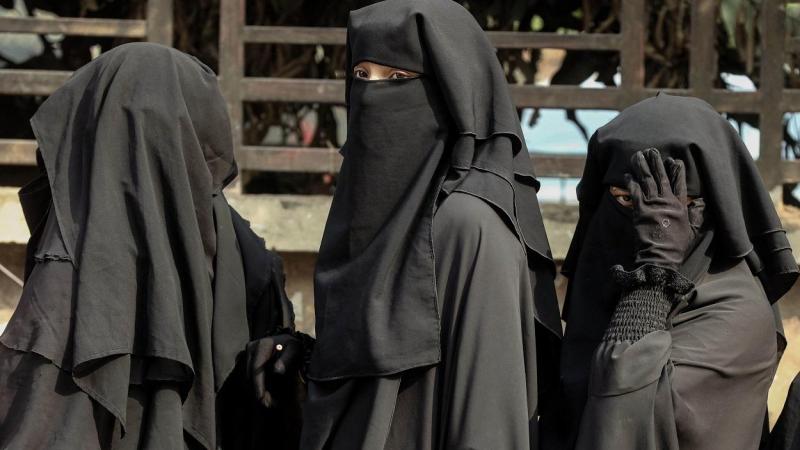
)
(664, 231)
(271, 359)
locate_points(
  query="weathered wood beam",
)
(17, 152)
(31, 82)
(75, 26)
(500, 39)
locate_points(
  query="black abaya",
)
(701, 381)
(701, 385)
(482, 395)
(142, 286)
(436, 328)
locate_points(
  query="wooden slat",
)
(790, 171)
(294, 35)
(231, 69)
(231, 61)
(790, 100)
(633, 19)
(17, 152)
(581, 41)
(74, 26)
(500, 39)
(31, 82)
(574, 97)
(321, 160)
(289, 159)
(292, 90)
(771, 87)
(159, 21)
(702, 53)
(558, 166)
(726, 101)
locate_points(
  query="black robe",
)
(702, 383)
(710, 371)
(484, 393)
(436, 316)
(142, 286)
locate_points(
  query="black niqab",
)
(375, 291)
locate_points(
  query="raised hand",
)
(664, 232)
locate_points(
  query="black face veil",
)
(409, 141)
(137, 147)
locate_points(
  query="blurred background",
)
(572, 64)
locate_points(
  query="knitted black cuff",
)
(650, 276)
(648, 294)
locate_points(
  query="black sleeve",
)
(677, 362)
(630, 399)
(268, 306)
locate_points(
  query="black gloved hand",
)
(269, 360)
(664, 232)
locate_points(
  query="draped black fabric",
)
(689, 129)
(409, 142)
(740, 224)
(243, 422)
(141, 275)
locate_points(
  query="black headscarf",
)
(137, 148)
(454, 128)
(745, 221)
(739, 222)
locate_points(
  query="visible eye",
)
(401, 74)
(622, 196)
(624, 200)
(359, 72)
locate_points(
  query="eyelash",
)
(361, 73)
(624, 200)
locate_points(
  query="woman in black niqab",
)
(139, 298)
(680, 350)
(435, 305)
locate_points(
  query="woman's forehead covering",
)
(679, 127)
(389, 33)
